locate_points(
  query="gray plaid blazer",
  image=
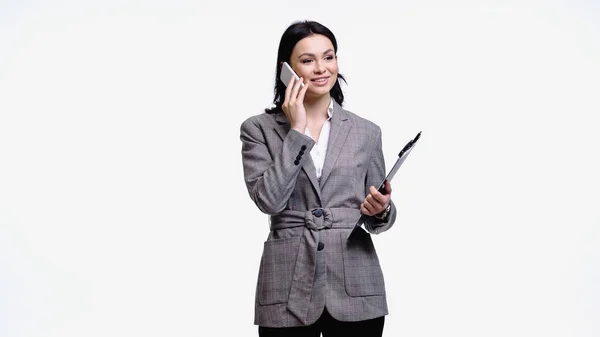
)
(308, 263)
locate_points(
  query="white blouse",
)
(320, 148)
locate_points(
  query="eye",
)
(329, 57)
(305, 61)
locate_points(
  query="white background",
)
(123, 210)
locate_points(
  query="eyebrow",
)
(310, 54)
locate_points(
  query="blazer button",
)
(320, 246)
(303, 147)
(318, 212)
(301, 152)
(296, 162)
(298, 157)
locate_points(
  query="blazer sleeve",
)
(375, 175)
(271, 177)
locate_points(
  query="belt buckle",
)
(319, 218)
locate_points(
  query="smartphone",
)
(287, 73)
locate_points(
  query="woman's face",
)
(314, 59)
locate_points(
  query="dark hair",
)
(294, 33)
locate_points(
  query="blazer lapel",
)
(338, 132)
(282, 128)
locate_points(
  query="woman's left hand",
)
(376, 202)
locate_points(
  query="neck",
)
(317, 107)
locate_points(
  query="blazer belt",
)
(317, 218)
(306, 260)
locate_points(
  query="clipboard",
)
(401, 158)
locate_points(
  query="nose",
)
(320, 67)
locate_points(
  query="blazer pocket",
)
(362, 273)
(277, 269)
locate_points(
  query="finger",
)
(371, 208)
(363, 209)
(388, 187)
(303, 91)
(367, 208)
(373, 201)
(382, 199)
(296, 89)
(371, 204)
(288, 90)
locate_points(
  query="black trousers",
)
(330, 327)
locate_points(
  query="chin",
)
(317, 94)
(319, 91)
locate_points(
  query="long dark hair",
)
(294, 33)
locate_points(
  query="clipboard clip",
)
(410, 144)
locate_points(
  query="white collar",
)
(330, 109)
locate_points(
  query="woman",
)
(312, 166)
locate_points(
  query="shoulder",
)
(258, 121)
(362, 122)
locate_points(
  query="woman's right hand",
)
(293, 105)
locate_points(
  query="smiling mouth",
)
(320, 80)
